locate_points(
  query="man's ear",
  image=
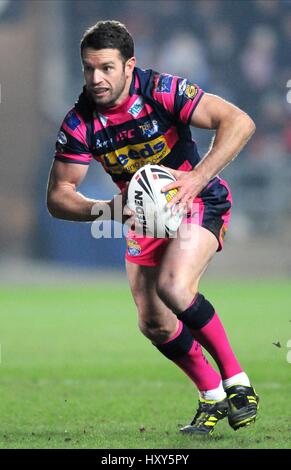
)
(130, 64)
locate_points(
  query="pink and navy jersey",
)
(150, 126)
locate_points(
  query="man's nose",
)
(97, 77)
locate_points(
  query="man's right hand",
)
(120, 212)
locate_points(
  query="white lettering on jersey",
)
(137, 106)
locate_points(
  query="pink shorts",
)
(214, 204)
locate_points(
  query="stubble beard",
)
(113, 95)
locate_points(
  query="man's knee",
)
(176, 292)
(157, 332)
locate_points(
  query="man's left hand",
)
(189, 185)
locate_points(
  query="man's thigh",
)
(152, 312)
(184, 262)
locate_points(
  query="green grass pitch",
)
(76, 373)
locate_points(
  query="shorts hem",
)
(150, 263)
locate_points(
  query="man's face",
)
(107, 77)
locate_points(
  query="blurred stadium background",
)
(239, 49)
(57, 354)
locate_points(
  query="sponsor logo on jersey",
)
(72, 120)
(164, 84)
(137, 106)
(182, 87)
(125, 134)
(62, 138)
(191, 91)
(103, 143)
(132, 157)
(133, 248)
(108, 144)
(149, 128)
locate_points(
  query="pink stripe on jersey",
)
(81, 157)
(188, 108)
(166, 99)
(98, 126)
(145, 111)
(171, 136)
(124, 113)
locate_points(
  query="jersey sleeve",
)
(177, 95)
(72, 145)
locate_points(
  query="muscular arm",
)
(233, 129)
(63, 200)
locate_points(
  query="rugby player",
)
(125, 118)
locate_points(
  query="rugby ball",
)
(145, 199)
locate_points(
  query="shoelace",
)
(202, 410)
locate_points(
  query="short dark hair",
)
(109, 35)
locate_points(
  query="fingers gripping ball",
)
(153, 217)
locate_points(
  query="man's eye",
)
(108, 68)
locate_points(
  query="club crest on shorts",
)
(133, 248)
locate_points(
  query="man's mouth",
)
(100, 91)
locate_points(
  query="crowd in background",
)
(237, 49)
